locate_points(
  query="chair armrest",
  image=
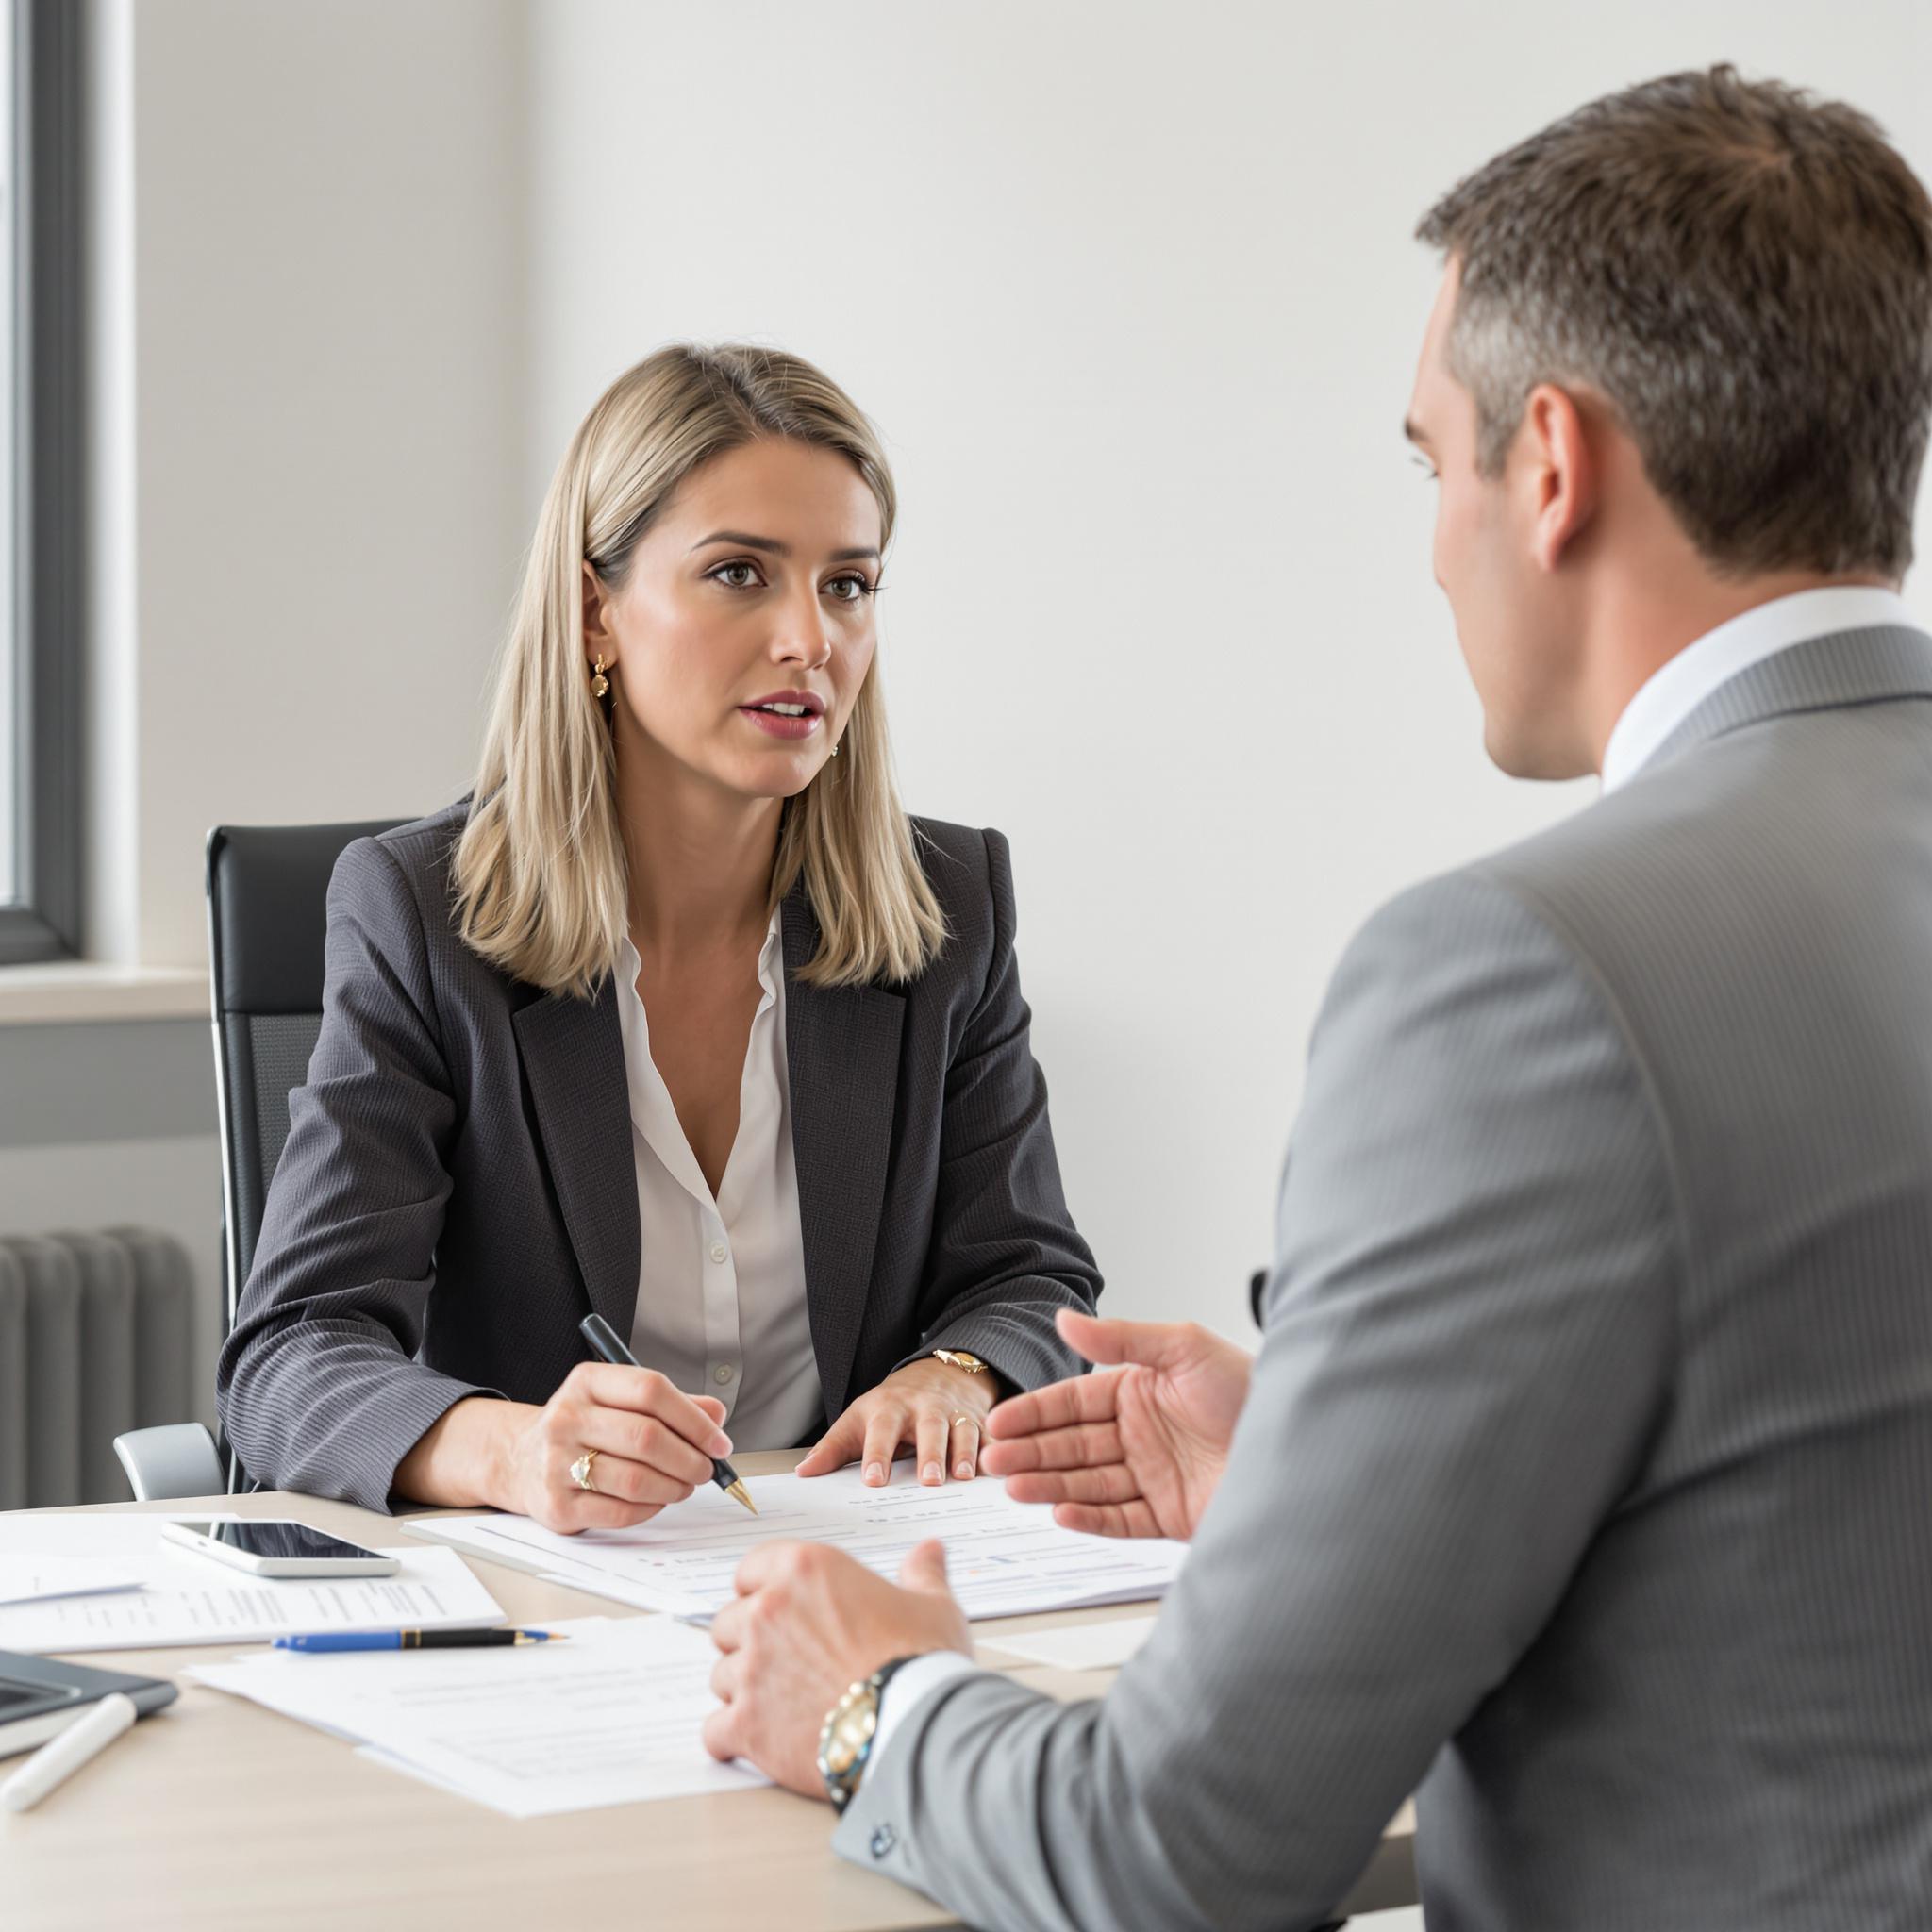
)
(177, 1459)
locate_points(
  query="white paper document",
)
(1004, 1558)
(1080, 1646)
(610, 1716)
(185, 1598)
(35, 1579)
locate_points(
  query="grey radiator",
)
(94, 1339)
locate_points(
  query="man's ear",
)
(1558, 446)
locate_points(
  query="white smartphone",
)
(277, 1548)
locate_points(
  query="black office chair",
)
(267, 919)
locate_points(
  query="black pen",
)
(607, 1341)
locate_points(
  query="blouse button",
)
(722, 1374)
(719, 1251)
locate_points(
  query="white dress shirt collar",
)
(1675, 690)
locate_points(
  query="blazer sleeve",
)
(317, 1386)
(1471, 1328)
(1004, 1253)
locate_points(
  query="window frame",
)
(48, 618)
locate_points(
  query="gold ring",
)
(580, 1469)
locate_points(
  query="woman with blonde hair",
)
(678, 1017)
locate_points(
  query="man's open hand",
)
(1135, 1452)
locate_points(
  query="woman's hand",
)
(1137, 1452)
(653, 1447)
(938, 1408)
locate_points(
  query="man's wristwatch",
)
(845, 1740)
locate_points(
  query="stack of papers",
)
(607, 1716)
(1004, 1558)
(168, 1595)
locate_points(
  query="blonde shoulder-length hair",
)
(539, 871)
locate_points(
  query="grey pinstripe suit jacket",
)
(458, 1191)
(1587, 1476)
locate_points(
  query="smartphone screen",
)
(282, 1539)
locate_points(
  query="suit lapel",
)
(842, 1050)
(573, 1055)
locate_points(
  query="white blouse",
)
(721, 1288)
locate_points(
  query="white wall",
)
(1131, 292)
(1129, 287)
(326, 371)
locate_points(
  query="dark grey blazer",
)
(458, 1191)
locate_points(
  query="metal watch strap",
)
(840, 1789)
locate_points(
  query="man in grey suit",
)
(1584, 1479)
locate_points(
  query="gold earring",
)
(834, 751)
(599, 683)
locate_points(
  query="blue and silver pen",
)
(412, 1639)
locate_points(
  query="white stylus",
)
(60, 1757)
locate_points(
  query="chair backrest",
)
(267, 919)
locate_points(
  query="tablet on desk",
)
(41, 1696)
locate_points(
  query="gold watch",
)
(845, 1740)
(960, 1359)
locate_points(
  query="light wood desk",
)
(223, 1817)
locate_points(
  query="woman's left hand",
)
(929, 1404)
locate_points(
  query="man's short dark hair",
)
(1744, 273)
